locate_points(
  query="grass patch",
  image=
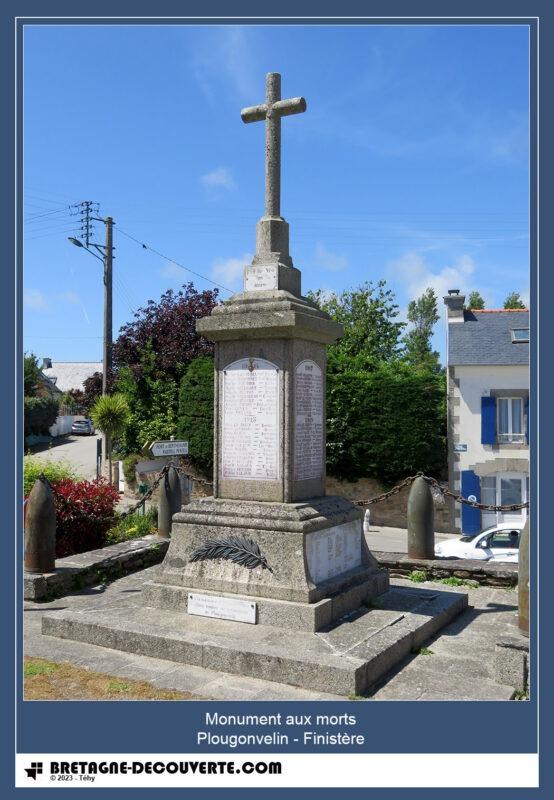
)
(46, 680)
(454, 581)
(354, 696)
(519, 695)
(424, 651)
(118, 686)
(417, 576)
(32, 668)
(135, 526)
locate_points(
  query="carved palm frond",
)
(233, 548)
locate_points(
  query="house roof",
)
(71, 374)
(485, 338)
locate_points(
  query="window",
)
(509, 422)
(520, 335)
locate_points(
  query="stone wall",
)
(392, 511)
(485, 573)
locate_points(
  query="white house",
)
(488, 410)
(66, 375)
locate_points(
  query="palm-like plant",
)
(110, 414)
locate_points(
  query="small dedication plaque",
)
(259, 277)
(250, 420)
(308, 424)
(211, 605)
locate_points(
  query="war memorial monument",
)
(270, 577)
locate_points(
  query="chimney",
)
(46, 363)
(454, 302)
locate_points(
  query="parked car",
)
(83, 427)
(498, 543)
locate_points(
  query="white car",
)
(499, 543)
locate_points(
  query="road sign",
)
(173, 448)
(460, 448)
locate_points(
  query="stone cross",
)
(272, 110)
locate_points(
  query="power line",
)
(65, 209)
(172, 261)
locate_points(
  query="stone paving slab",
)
(469, 639)
(347, 658)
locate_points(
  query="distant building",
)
(66, 375)
(488, 410)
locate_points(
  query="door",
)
(503, 489)
(511, 488)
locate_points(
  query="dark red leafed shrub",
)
(85, 510)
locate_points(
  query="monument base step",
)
(346, 658)
(277, 613)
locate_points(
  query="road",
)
(395, 540)
(78, 451)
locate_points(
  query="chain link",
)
(458, 498)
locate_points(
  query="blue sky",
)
(410, 164)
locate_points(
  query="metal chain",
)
(458, 498)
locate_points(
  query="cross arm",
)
(253, 113)
(296, 105)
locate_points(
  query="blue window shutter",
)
(471, 517)
(488, 420)
(527, 419)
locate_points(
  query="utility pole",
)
(108, 294)
(86, 209)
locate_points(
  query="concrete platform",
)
(348, 657)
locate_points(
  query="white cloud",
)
(34, 299)
(416, 275)
(328, 260)
(171, 270)
(219, 178)
(71, 297)
(226, 54)
(228, 272)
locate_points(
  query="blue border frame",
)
(389, 727)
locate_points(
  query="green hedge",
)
(386, 424)
(53, 470)
(40, 415)
(195, 421)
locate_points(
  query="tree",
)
(152, 402)
(110, 414)
(514, 301)
(195, 421)
(476, 301)
(31, 374)
(92, 389)
(423, 314)
(169, 326)
(368, 314)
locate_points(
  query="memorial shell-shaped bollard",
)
(165, 509)
(421, 520)
(523, 581)
(175, 492)
(40, 528)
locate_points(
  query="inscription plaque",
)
(210, 605)
(250, 420)
(261, 277)
(334, 550)
(308, 424)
